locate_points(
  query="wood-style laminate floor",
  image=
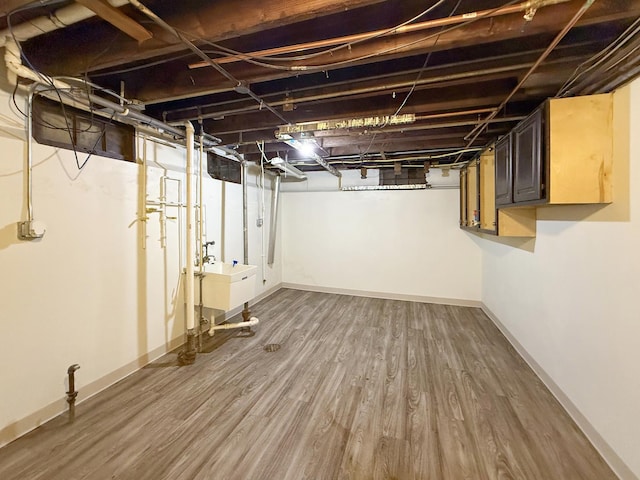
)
(360, 389)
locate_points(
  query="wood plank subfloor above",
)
(360, 389)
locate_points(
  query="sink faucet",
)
(206, 258)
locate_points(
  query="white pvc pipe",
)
(201, 233)
(61, 18)
(144, 213)
(228, 326)
(190, 217)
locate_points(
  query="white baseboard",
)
(384, 295)
(33, 421)
(608, 454)
(19, 428)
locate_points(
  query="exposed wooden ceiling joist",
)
(186, 82)
(214, 21)
(437, 74)
(118, 19)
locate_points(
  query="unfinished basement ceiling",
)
(274, 65)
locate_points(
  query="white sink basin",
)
(226, 286)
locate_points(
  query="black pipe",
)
(72, 393)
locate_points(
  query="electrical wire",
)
(409, 44)
(601, 57)
(332, 50)
(255, 59)
(413, 87)
(46, 80)
(577, 16)
(238, 85)
(146, 65)
(424, 65)
(392, 160)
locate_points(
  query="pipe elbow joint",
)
(73, 368)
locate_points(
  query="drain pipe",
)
(246, 326)
(246, 312)
(201, 236)
(72, 393)
(274, 221)
(188, 355)
(248, 320)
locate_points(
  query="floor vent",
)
(272, 347)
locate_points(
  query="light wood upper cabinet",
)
(478, 201)
(487, 165)
(579, 149)
(469, 196)
(560, 154)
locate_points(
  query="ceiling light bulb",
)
(307, 148)
(276, 161)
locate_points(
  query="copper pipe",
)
(365, 90)
(454, 114)
(432, 126)
(237, 84)
(416, 27)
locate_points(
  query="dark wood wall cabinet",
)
(478, 210)
(560, 154)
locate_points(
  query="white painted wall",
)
(91, 291)
(570, 298)
(397, 244)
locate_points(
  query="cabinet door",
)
(503, 183)
(528, 160)
(488, 190)
(473, 209)
(463, 197)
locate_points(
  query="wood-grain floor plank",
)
(360, 388)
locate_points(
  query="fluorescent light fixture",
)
(300, 146)
(289, 170)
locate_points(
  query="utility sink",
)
(226, 286)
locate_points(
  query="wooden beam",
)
(427, 25)
(118, 19)
(437, 100)
(10, 5)
(510, 27)
(213, 21)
